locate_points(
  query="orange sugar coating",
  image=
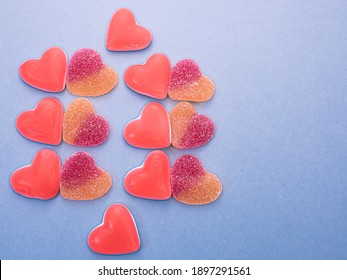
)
(180, 117)
(77, 111)
(89, 190)
(199, 91)
(96, 84)
(204, 191)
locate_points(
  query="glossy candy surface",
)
(151, 78)
(44, 123)
(187, 83)
(188, 128)
(151, 130)
(81, 126)
(87, 75)
(40, 179)
(82, 179)
(47, 73)
(152, 179)
(192, 184)
(124, 34)
(117, 234)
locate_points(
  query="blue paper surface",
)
(281, 128)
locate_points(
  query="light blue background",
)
(279, 149)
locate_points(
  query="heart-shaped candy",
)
(152, 179)
(87, 75)
(81, 126)
(151, 130)
(188, 83)
(192, 184)
(44, 123)
(117, 234)
(47, 73)
(82, 179)
(188, 128)
(124, 34)
(151, 78)
(40, 179)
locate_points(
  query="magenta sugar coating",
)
(184, 72)
(200, 130)
(79, 168)
(94, 131)
(184, 173)
(83, 63)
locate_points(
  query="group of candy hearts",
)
(79, 178)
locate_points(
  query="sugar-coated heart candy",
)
(151, 130)
(192, 184)
(81, 126)
(188, 128)
(152, 179)
(82, 179)
(47, 73)
(125, 34)
(187, 83)
(87, 75)
(117, 234)
(44, 123)
(151, 78)
(40, 179)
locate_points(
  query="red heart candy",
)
(117, 234)
(152, 179)
(152, 78)
(47, 73)
(39, 180)
(124, 34)
(44, 123)
(151, 130)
